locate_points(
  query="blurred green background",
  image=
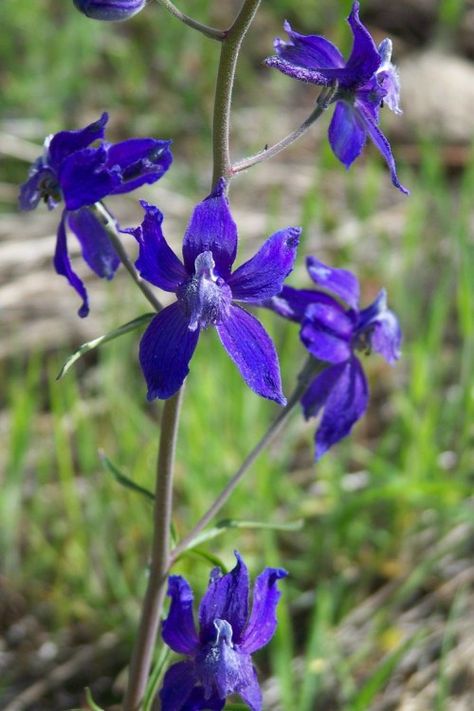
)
(378, 609)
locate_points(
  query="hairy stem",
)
(155, 593)
(106, 219)
(199, 26)
(225, 82)
(307, 373)
(322, 103)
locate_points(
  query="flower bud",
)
(114, 10)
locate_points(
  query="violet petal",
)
(64, 143)
(84, 179)
(62, 264)
(178, 630)
(327, 331)
(97, 249)
(341, 282)
(262, 622)
(166, 348)
(346, 134)
(177, 686)
(250, 347)
(140, 161)
(262, 276)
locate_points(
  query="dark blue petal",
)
(110, 10)
(41, 184)
(139, 160)
(262, 622)
(221, 667)
(166, 348)
(64, 143)
(344, 392)
(308, 51)
(252, 694)
(341, 282)
(84, 179)
(365, 58)
(198, 702)
(97, 249)
(346, 133)
(292, 303)
(380, 141)
(327, 331)
(380, 329)
(177, 687)
(253, 352)
(178, 630)
(262, 276)
(157, 263)
(62, 264)
(212, 228)
(321, 77)
(226, 599)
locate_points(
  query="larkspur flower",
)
(205, 290)
(72, 171)
(219, 659)
(110, 10)
(365, 82)
(334, 333)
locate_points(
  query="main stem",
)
(224, 86)
(307, 373)
(151, 611)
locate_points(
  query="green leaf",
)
(93, 706)
(226, 524)
(124, 480)
(91, 345)
(155, 678)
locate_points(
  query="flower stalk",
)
(210, 32)
(153, 602)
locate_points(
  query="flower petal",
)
(212, 228)
(62, 264)
(140, 160)
(292, 303)
(157, 263)
(323, 77)
(308, 51)
(365, 58)
(380, 142)
(177, 687)
(62, 144)
(97, 249)
(263, 275)
(341, 282)
(252, 694)
(198, 702)
(226, 598)
(166, 348)
(84, 178)
(345, 391)
(384, 335)
(262, 622)
(250, 347)
(327, 331)
(39, 180)
(346, 134)
(178, 630)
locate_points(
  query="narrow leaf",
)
(226, 524)
(92, 705)
(91, 345)
(124, 480)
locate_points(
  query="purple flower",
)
(334, 334)
(365, 82)
(205, 290)
(110, 9)
(71, 171)
(219, 659)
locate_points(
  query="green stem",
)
(199, 26)
(225, 82)
(322, 103)
(308, 372)
(110, 226)
(160, 561)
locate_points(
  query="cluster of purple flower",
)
(79, 169)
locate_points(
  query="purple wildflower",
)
(366, 81)
(114, 10)
(205, 290)
(71, 171)
(219, 659)
(333, 333)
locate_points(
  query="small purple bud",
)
(110, 10)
